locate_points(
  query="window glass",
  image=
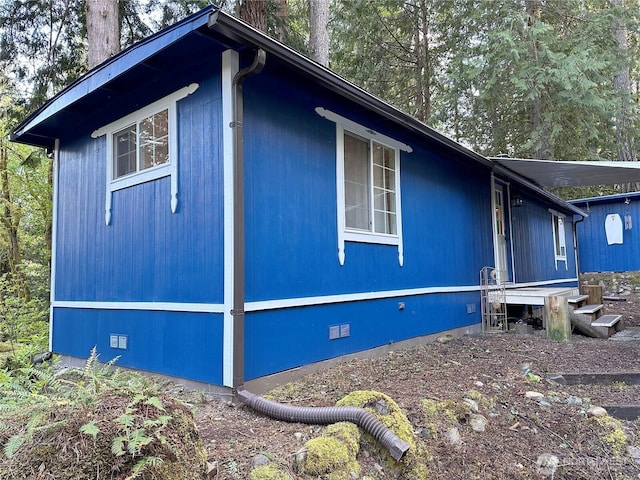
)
(559, 234)
(356, 182)
(124, 146)
(384, 185)
(154, 140)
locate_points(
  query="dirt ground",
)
(520, 428)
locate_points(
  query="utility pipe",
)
(328, 415)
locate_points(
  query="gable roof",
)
(199, 34)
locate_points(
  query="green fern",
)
(90, 429)
(14, 443)
(144, 463)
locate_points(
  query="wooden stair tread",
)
(589, 309)
(606, 321)
(577, 298)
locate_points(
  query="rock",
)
(542, 402)
(547, 464)
(300, 457)
(381, 407)
(212, 469)
(259, 460)
(532, 394)
(473, 405)
(573, 400)
(634, 452)
(426, 434)
(478, 422)
(298, 436)
(478, 383)
(453, 436)
(444, 339)
(596, 412)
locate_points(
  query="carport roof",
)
(556, 173)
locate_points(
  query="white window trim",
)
(563, 240)
(169, 169)
(352, 235)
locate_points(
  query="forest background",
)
(544, 79)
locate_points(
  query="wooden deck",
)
(536, 295)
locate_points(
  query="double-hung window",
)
(559, 238)
(142, 147)
(367, 184)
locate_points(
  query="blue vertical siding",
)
(534, 252)
(595, 254)
(182, 344)
(147, 253)
(282, 339)
(291, 207)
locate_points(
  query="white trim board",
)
(54, 236)
(230, 66)
(264, 305)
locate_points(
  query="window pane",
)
(384, 182)
(124, 147)
(356, 182)
(154, 140)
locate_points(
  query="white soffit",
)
(556, 173)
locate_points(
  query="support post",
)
(556, 314)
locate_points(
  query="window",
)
(559, 238)
(142, 147)
(367, 184)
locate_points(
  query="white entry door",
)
(499, 235)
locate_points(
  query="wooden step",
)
(577, 299)
(608, 324)
(589, 309)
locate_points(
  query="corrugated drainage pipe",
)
(328, 415)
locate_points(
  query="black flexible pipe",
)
(328, 415)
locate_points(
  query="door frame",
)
(501, 227)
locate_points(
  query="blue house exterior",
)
(356, 225)
(617, 250)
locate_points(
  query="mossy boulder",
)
(330, 458)
(268, 472)
(113, 436)
(612, 435)
(385, 409)
(441, 415)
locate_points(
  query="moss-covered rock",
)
(613, 434)
(440, 416)
(111, 437)
(269, 472)
(329, 457)
(413, 465)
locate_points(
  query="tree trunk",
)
(282, 13)
(254, 12)
(423, 63)
(539, 128)
(10, 221)
(319, 31)
(622, 87)
(103, 30)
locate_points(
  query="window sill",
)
(367, 237)
(137, 178)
